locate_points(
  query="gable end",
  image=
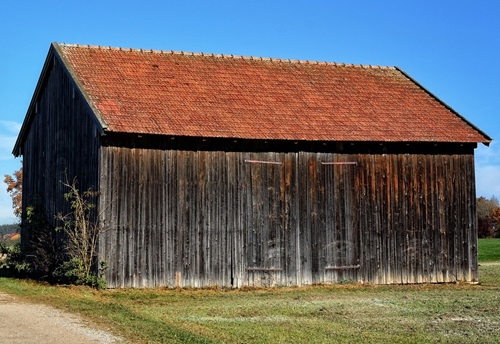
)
(54, 57)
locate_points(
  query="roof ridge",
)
(229, 56)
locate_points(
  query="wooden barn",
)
(217, 170)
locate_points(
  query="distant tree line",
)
(488, 217)
(8, 229)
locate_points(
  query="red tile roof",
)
(155, 92)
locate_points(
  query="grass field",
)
(488, 250)
(446, 313)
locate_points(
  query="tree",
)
(81, 230)
(488, 215)
(15, 188)
(7, 229)
(495, 221)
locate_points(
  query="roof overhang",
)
(487, 140)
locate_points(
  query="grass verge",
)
(446, 313)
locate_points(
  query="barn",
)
(232, 171)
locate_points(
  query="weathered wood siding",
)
(417, 218)
(206, 218)
(62, 143)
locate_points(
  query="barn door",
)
(341, 241)
(264, 242)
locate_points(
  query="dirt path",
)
(27, 323)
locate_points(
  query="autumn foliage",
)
(488, 217)
(15, 188)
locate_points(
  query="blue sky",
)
(451, 47)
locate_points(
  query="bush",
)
(74, 272)
(64, 255)
(81, 231)
(14, 263)
(41, 245)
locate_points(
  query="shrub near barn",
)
(10, 257)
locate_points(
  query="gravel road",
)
(26, 323)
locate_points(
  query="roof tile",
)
(206, 95)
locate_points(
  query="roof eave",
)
(487, 139)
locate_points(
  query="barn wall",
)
(198, 219)
(61, 143)
(417, 218)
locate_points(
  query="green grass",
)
(444, 313)
(452, 313)
(488, 250)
